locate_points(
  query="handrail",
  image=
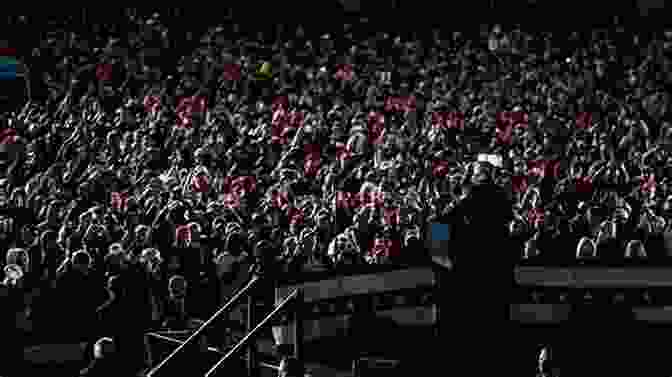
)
(172, 332)
(315, 276)
(291, 297)
(211, 349)
(198, 332)
(179, 342)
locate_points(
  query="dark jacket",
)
(79, 294)
(486, 209)
(11, 302)
(484, 265)
(139, 286)
(103, 368)
(117, 318)
(113, 317)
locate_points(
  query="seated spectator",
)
(19, 257)
(546, 365)
(291, 367)
(586, 250)
(608, 246)
(115, 260)
(635, 250)
(531, 251)
(13, 276)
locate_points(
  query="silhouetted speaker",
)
(646, 7)
(481, 234)
(351, 5)
(483, 269)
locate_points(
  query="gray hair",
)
(585, 241)
(635, 249)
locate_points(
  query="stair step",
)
(269, 363)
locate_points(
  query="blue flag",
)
(8, 75)
(9, 67)
(438, 243)
(440, 232)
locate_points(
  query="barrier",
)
(405, 296)
(548, 294)
(595, 277)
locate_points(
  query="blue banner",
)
(440, 232)
(11, 67)
(9, 75)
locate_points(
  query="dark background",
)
(396, 14)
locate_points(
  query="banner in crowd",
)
(14, 81)
(9, 64)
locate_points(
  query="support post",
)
(438, 276)
(298, 326)
(251, 348)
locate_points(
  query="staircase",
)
(222, 339)
(238, 337)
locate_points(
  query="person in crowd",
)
(291, 367)
(176, 315)
(106, 361)
(77, 274)
(118, 320)
(11, 289)
(547, 366)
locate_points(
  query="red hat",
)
(183, 233)
(119, 200)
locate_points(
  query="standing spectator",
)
(175, 314)
(117, 319)
(106, 361)
(11, 297)
(77, 288)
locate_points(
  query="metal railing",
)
(165, 363)
(294, 298)
(210, 349)
(253, 326)
(361, 365)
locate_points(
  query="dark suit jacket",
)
(483, 273)
(79, 296)
(482, 238)
(11, 302)
(118, 320)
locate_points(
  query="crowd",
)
(154, 160)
